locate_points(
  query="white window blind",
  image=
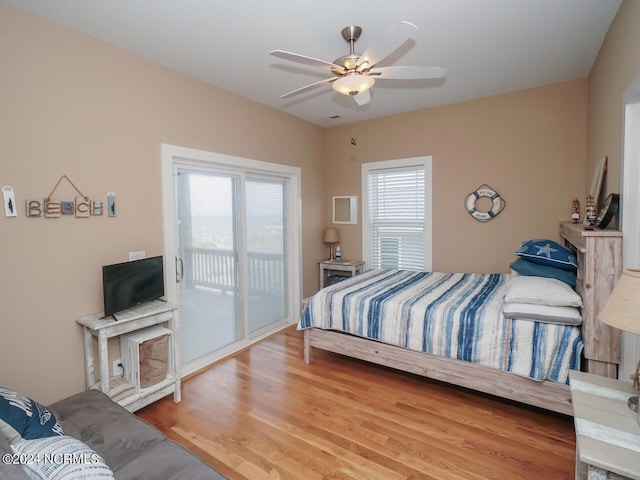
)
(397, 214)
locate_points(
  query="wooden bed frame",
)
(600, 258)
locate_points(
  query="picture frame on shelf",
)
(597, 183)
(608, 210)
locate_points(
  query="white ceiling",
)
(487, 46)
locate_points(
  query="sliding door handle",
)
(179, 269)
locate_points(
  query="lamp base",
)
(632, 403)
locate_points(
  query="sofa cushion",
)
(62, 457)
(22, 417)
(113, 432)
(168, 461)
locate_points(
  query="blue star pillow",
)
(547, 252)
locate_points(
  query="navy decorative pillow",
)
(23, 418)
(547, 252)
(524, 267)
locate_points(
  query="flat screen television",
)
(128, 284)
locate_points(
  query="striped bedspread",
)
(456, 315)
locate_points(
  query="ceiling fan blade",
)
(362, 98)
(314, 62)
(309, 87)
(407, 73)
(386, 45)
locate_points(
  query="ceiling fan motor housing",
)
(350, 61)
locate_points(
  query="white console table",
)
(103, 328)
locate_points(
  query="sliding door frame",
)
(171, 156)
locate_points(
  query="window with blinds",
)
(397, 226)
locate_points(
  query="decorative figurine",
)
(575, 210)
(590, 212)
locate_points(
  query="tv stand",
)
(129, 311)
(136, 318)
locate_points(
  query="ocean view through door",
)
(231, 265)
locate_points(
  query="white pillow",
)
(61, 457)
(543, 313)
(541, 291)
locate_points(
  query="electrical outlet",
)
(118, 371)
(137, 255)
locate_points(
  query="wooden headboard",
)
(599, 255)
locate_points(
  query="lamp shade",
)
(353, 84)
(331, 236)
(622, 309)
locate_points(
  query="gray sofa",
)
(132, 448)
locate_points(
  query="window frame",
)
(424, 162)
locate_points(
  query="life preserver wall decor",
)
(497, 203)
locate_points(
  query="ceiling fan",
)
(355, 74)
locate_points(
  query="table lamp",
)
(622, 311)
(331, 236)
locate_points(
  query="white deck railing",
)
(216, 269)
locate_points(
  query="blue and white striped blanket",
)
(456, 315)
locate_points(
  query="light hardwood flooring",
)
(265, 414)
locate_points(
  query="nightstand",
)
(607, 431)
(327, 267)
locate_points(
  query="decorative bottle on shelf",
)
(338, 253)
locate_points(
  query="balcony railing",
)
(216, 269)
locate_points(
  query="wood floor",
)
(266, 414)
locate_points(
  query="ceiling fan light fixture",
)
(353, 84)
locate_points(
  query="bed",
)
(437, 332)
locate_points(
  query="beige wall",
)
(617, 64)
(529, 146)
(76, 106)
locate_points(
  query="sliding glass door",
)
(209, 287)
(232, 257)
(266, 252)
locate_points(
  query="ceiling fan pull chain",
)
(353, 130)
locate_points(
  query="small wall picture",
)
(10, 209)
(111, 204)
